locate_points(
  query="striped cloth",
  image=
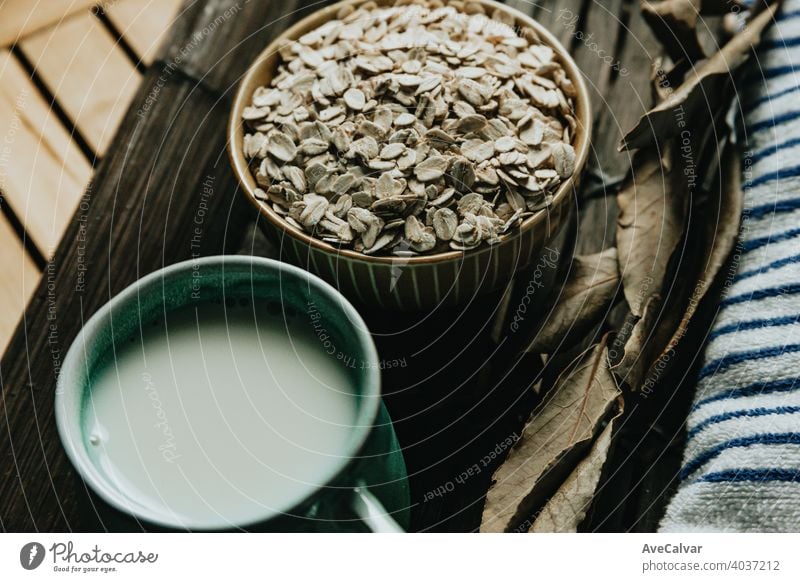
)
(741, 468)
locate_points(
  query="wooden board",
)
(42, 172)
(140, 218)
(476, 404)
(23, 17)
(79, 61)
(629, 95)
(556, 16)
(19, 279)
(595, 41)
(143, 23)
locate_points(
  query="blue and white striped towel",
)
(741, 467)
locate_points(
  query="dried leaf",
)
(720, 234)
(674, 24)
(703, 90)
(641, 342)
(559, 430)
(566, 509)
(650, 223)
(592, 285)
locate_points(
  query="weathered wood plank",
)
(554, 14)
(199, 56)
(79, 62)
(142, 206)
(595, 42)
(630, 96)
(135, 220)
(528, 7)
(591, 31)
(138, 217)
(143, 23)
(23, 17)
(624, 99)
(19, 279)
(42, 172)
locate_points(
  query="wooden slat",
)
(525, 6)
(629, 97)
(555, 16)
(92, 78)
(19, 279)
(596, 42)
(20, 18)
(43, 173)
(143, 23)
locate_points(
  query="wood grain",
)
(42, 172)
(23, 17)
(143, 23)
(138, 217)
(19, 279)
(79, 61)
(555, 15)
(595, 41)
(629, 95)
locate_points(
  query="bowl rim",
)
(241, 169)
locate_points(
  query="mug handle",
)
(372, 512)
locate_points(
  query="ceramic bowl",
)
(420, 282)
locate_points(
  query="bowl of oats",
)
(412, 153)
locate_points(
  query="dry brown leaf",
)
(559, 430)
(674, 24)
(703, 90)
(664, 80)
(644, 347)
(652, 210)
(721, 230)
(566, 509)
(642, 342)
(659, 81)
(589, 290)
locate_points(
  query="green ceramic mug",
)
(155, 431)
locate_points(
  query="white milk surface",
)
(218, 415)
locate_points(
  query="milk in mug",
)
(217, 412)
